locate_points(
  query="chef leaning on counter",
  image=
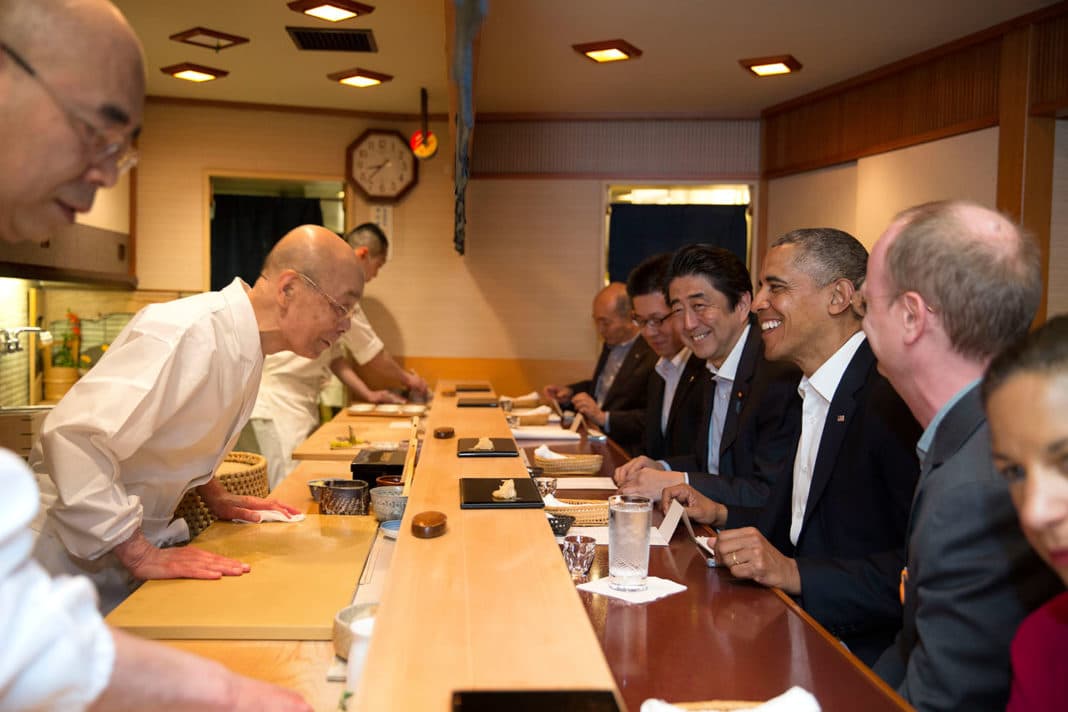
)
(71, 100)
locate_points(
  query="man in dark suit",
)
(833, 533)
(622, 372)
(746, 419)
(971, 576)
(668, 424)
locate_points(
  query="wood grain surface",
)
(276, 600)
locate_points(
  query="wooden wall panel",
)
(1049, 89)
(944, 95)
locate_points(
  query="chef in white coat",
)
(157, 414)
(286, 410)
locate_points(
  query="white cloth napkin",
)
(796, 699)
(545, 453)
(540, 410)
(543, 432)
(551, 501)
(585, 483)
(655, 588)
(273, 515)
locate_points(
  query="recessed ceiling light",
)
(608, 50)
(330, 10)
(212, 39)
(194, 72)
(771, 66)
(359, 77)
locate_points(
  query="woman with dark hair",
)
(1026, 396)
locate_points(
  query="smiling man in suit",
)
(669, 422)
(833, 533)
(950, 285)
(622, 373)
(746, 429)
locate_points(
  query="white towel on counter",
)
(655, 588)
(796, 699)
(543, 432)
(273, 515)
(545, 453)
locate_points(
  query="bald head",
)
(611, 314)
(976, 269)
(72, 87)
(310, 284)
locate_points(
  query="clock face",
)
(381, 165)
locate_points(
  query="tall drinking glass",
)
(629, 519)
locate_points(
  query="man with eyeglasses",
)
(668, 424)
(157, 414)
(747, 426)
(622, 373)
(71, 95)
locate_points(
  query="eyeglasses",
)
(654, 321)
(340, 311)
(99, 146)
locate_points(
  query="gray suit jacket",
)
(971, 575)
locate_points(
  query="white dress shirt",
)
(153, 419)
(670, 369)
(57, 652)
(816, 395)
(724, 383)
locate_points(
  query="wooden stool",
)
(242, 473)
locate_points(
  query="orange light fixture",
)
(360, 78)
(608, 51)
(771, 66)
(331, 10)
(194, 72)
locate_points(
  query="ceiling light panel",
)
(206, 37)
(331, 10)
(194, 72)
(360, 78)
(771, 66)
(608, 51)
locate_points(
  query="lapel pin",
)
(841, 418)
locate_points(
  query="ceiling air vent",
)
(332, 40)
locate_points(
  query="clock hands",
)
(379, 167)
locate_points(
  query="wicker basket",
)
(242, 473)
(587, 512)
(572, 464)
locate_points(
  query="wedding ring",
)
(734, 557)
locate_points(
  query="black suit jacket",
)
(759, 433)
(629, 389)
(852, 542)
(642, 427)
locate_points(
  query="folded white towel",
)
(273, 515)
(543, 432)
(540, 410)
(545, 453)
(796, 699)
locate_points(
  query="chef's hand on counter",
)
(384, 396)
(146, 561)
(415, 384)
(585, 404)
(225, 505)
(148, 675)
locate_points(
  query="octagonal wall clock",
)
(380, 165)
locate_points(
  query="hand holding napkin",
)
(796, 699)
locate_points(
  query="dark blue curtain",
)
(246, 227)
(639, 231)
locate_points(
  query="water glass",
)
(578, 554)
(546, 485)
(513, 420)
(629, 519)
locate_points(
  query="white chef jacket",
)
(57, 652)
(153, 419)
(361, 340)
